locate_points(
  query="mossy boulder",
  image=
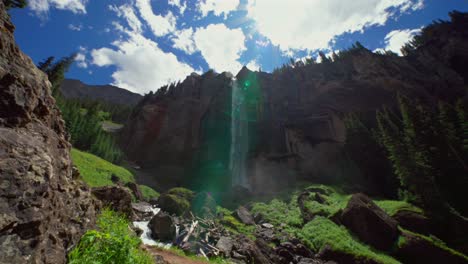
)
(176, 201)
(182, 193)
(173, 204)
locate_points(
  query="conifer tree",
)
(15, 4)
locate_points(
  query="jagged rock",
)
(369, 222)
(225, 245)
(246, 247)
(114, 197)
(142, 211)
(44, 210)
(135, 190)
(162, 227)
(416, 249)
(413, 221)
(244, 216)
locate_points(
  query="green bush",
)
(113, 242)
(96, 171)
(278, 212)
(148, 193)
(226, 218)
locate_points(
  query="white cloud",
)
(80, 60)
(73, 27)
(141, 65)
(218, 7)
(262, 43)
(183, 40)
(177, 3)
(220, 46)
(127, 12)
(253, 65)
(307, 24)
(42, 6)
(398, 38)
(160, 25)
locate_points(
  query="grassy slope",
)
(96, 171)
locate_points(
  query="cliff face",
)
(43, 209)
(294, 117)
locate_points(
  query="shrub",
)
(113, 242)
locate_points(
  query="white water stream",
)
(146, 234)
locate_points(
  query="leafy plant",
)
(112, 242)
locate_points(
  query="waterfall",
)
(239, 136)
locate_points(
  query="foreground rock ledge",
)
(43, 210)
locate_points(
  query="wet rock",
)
(268, 225)
(135, 190)
(225, 245)
(244, 216)
(142, 211)
(162, 227)
(369, 222)
(114, 197)
(44, 209)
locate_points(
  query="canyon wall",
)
(295, 115)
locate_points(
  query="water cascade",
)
(239, 136)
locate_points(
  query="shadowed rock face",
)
(295, 116)
(43, 209)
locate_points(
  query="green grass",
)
(278, 212)
(321, 232)
(227, 219)
(333, 203)
(96, 171)
(391, 207)
(148, 192)
(112, 242)
(182, 192)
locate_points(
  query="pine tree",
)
(15, 4)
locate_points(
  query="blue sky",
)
(141, 45)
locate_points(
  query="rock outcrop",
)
(44, 210)
(369, 222)
(295, 115)
(116, 198)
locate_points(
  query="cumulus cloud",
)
(218, 7)
(396, 39)
(160, 25)
(43, 6)
(141, 65)
(220, 46)
(306, 24)
(183, 40)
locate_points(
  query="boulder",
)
(114, 197)
(246, 247)
(327, 253)
(135, 190)
(369, 222)
(162, 227)
(413, 221)
(44, 209)
(225, 245)
(173, 204)
(417, 249)
(244, 216)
